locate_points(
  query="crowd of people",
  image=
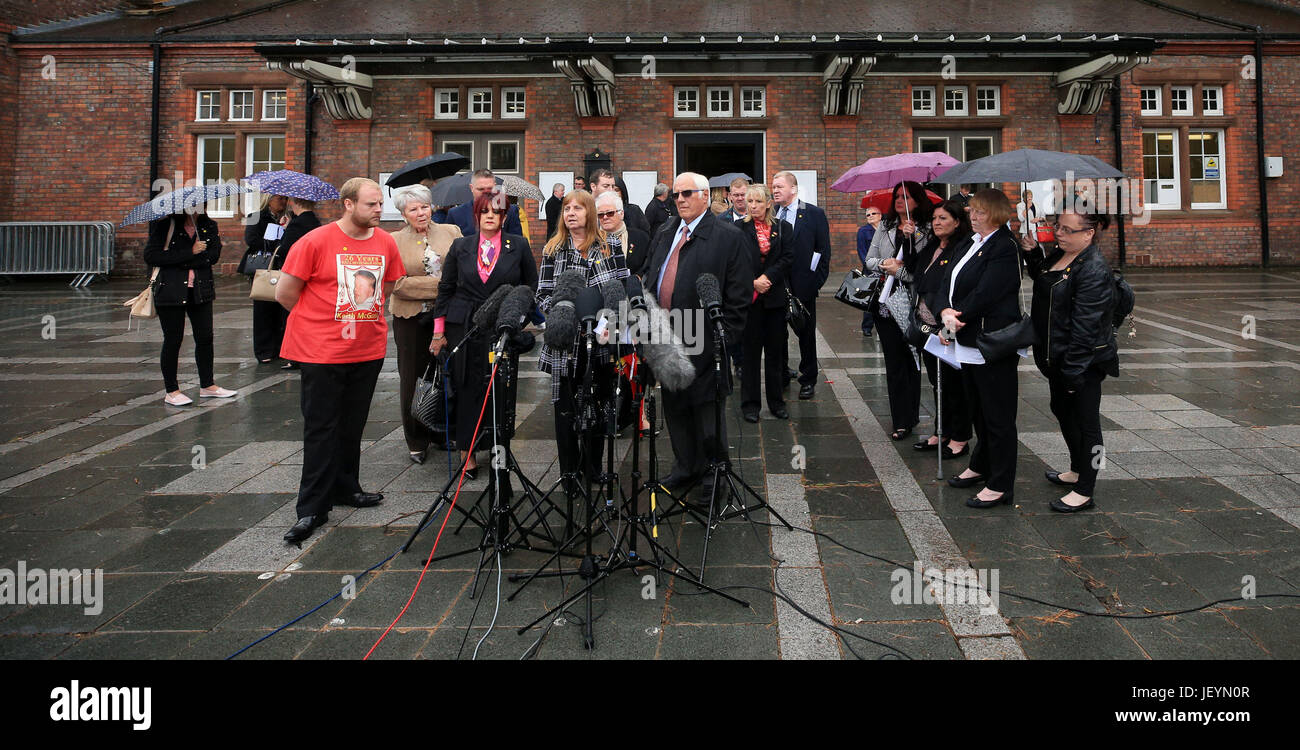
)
(957, 265)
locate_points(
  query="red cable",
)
(445, 518)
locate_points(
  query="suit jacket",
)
(731, 216)
(986, 292)
(461, 291)
(637, 250)
(553, 206)
(463, 217)
(776, 266)
(717, 248)
(812, 234)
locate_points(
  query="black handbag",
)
(431, 396)
(796, 315)
(1005, 341)
(258, 261)
(859, 290)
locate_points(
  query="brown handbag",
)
(265, 281)
(142, 304)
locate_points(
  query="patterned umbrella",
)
(293, 184)
(888, 171)
(178, 201)
(521, 188)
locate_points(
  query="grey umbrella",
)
(1028, 165)
(724, 180)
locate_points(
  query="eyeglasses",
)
(607, 214)
(872, 213)
(684, 193)
(1066, 231)
(497, 211)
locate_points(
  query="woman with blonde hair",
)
(578, 244)
(769, 256)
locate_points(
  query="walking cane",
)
(938, 411)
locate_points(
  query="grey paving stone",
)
(221, 644)
(233, 511)
(1254, 529)
(1126, 441)
(195, 602)
(1280, 460)
(1273, 629)
(1140, 420)
(1238, 437)
(1160, 402)
(1151, 465)
(916, 640)
(120, 592)
(1043, 443)
(169, 550)
(1269, 491)
(1173, 441)
(686, 641)
(132, 646)
(991, 649)
(281, 479)
(32, 647)
(352, 645)
(1071, 636)
(1112, 403)
(258, 549)
(1287, 434)
(1221, 463)
(1199, 635)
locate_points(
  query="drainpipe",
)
(1115, 99)
(309, 131)
(1259, 145)
(154, 120)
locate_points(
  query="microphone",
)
(710, 294)
(661, 347)
(615, 298)
(562, 319)
(486, 314)
(589, 303)
(635, 293)
(514, 311)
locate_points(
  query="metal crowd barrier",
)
(83, 248)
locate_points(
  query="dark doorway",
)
(713, 154)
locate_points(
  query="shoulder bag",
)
(859, 290)
(1006, 341)
(265, 281)
(142, 304)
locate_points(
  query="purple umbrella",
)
(293, 184)
(888, 171)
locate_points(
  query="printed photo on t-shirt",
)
(361, 294)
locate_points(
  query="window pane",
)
(503, 156)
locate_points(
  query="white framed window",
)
(216, 164)
(686, 101)
(513, 101)
(241, 105)
(446, 104)
(480, 104)
(988, 100)
(753, 101)
(503, 156)
(1151, 101)
(954, 101)
(1206, 168)
(1180, 100)
(1160, 187)
(207, 106)
(275, 104)
(719, 101)
(464, 148)
(923, 101)
(264, 153)
(1212, 100)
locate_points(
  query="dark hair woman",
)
(1074, 344)
(268, 317)
(578, 243)
(904, 231)
(474, 267)
(770, 257)
(184, 247)
(952, 233)
(982, 293)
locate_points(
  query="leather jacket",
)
(1072, 311)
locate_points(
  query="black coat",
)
(254, 237)
(777, 263)
(296, 229)
(1072, 312)
(658, 212)
(634, 217)
(175, 261)
(553, 206)
(461, 291)
(717, 248)
(930, 283)
(987, 290)
(812, 234)
(637, 250)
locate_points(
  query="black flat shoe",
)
(960, 483)
(1061, 507)
(900, 433)
(676, 481)
(948, 452)
(751, 416)
(805, 392)
(780, 412)
(304, 528)
(925, 445)
(974, 501)
(417, 457)
(362, 500)
(471, 474)
(1055, 478)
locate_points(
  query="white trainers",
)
(218, 393)
(178, 399)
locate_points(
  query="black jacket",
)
(461, 291)
(255, 236)
(658, 212)
(777, 263)
(812, 234)
(987, 290)
(175, 261)
(717, 248)
(1072, 311)
(553, 206)
(295, 230)
(638, 249)
(929, 282)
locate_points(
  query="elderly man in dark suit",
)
(693, 244)
(483, 182)
(811, 245)
(660, 209)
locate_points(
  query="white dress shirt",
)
(967, 354)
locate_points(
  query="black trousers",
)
(956, 413)
(1079, 414)
(470, 374)
(691, 432)
(901, 375)
(412, 340)
(172, 318)
(335, 407)
(764, 339)
(581, 453)
(269, 319)
(808, 344)
(991, 392)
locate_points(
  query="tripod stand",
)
(723, 482)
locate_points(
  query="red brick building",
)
(100, 106)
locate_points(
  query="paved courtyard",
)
(184, 509)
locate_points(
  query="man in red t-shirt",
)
(333, 286)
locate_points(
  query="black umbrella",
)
(454, 191)
(429, 168)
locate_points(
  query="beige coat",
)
(417, 286)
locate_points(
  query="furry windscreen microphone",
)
(710, 294)
(568, 286)
(589, 304)
(515, 309)
(486, 314)
(661, 347)
(614, 295)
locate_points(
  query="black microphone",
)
(514, 311)
(486, 314)
(589, 304)
(615, 298)
(635, 292)
(562, 318)
(710, 294)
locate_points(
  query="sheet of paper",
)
(273, 232)
(817, 258)
(947, 354)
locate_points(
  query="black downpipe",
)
(1115, 98)
(309, 129)
(1259, 147)
(154, 119)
